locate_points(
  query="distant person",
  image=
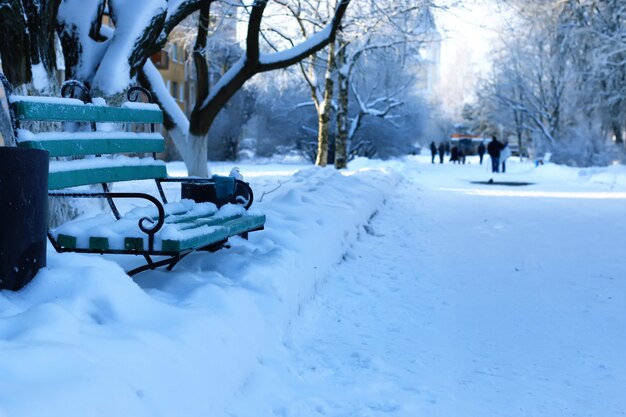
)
(505, 153)
(493, 149)
(441, 152)
(454, 155)
(447, 148)
(461, 155)
(481, 151)
(433, 152)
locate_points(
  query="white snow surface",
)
(140, 106)
(40, 78)
(92, 162)
(392, 288)
(24, 135)
(46, 99)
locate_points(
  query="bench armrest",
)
(242, 192)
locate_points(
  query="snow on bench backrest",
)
(91, 169)
(91, 143)
(68, 109)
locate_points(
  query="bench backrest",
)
(105, 140)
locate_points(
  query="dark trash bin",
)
(23, 215)
(220, 191)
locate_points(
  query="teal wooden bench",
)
(89, 147)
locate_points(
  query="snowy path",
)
(417, 321)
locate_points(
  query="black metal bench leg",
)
(170, 262)
(151, 265)
(176, 260)
(148, 261)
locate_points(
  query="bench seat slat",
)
(61, 112)
(85, 176)
(96, 143)
(215, 233)
(104, 234)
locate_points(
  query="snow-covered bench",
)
(104, 156)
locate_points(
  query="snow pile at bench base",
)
(84, 339)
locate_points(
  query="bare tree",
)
(371, 26)
(27, 43)
(109, 59)
(559, 78)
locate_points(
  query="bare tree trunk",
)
(193, 150)
(341, 157)
(196, 160)
(14, 40)
(323, 113)
(27, 41)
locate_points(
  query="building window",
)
(176, 53)
(160, 60)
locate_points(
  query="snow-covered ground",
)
(395, 288)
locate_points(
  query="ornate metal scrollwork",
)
(69, 88)
(133, 94)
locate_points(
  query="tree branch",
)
(312, 45)
(253, 63)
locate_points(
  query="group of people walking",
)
(456, 154)
(498, 152)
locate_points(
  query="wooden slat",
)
(66, 241)
(245, 224)
(222, 229)
(65, 179)
(219, 233)
(184, 222)
(99, 243)
(29, 110)
(77, 146)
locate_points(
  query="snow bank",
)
(83, 339)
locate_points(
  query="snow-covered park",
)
(394, 288)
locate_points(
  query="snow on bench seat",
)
(188, 225)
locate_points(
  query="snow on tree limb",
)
(137, 26)
(79, 23)
(315, 43)
(173, 115)
(298, 52)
